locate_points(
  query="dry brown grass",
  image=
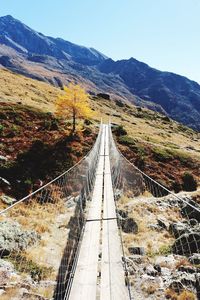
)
(149, 289)
(15, 88)
(10, 293)
(35, 216)
(185, 295)
(182, 262)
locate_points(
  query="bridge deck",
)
(84, 285)
(112, 273)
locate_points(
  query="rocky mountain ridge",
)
(57, 61)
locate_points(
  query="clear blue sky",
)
(163, 33)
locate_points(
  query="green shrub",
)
(189, 182)
(165, 250)
(119, 103)
(126, 140)
(1, 128)
(176, 186)
(119, 130)
(162, 154)
(87, 122)
(24, 265)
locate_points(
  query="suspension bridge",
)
(81, 252)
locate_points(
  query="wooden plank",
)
(112, 273)
(85, 279)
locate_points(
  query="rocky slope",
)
(28, 52)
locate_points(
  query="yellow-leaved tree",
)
(73, 103)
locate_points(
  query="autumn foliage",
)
(73, 103)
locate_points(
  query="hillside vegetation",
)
(35, 144)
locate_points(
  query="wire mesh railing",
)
(40, 234)
(160, 233)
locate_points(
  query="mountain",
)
(25, 40)
(57, 61)
(177, 95)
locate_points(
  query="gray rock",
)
(158, 268)
(195, 259)
(187, 243)
(118, 194)
(6, 265)
(188, 280)
(129, 225)
(163, 223)
(151, 271)
(136, 250)
(7, 200)
(3, 158)
(6, 271)
(187, 269)
(13, 238)
(155, 227)
(130, 265)
(138, 259)
(123, 214)
(70, 202)
(166, 261)
(179, 228)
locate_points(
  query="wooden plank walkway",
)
(112, 273)
(84, 286)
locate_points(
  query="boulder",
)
(166, 261)
(136, 250)
(151, 271)
(3, 158)
(187, 269)
(13, 238)
(158, 268)
(195, 259)
(163, 223)
(179, 228)
(138, 259)
(131, 266)
(129, 225)
(188, 280)
(187, 244)
(155, 227)
(122, 213)
(6, 271)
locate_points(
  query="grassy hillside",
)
(34, 144)
(163, 148)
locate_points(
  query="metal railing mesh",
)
(160, 233)
(41, 233)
